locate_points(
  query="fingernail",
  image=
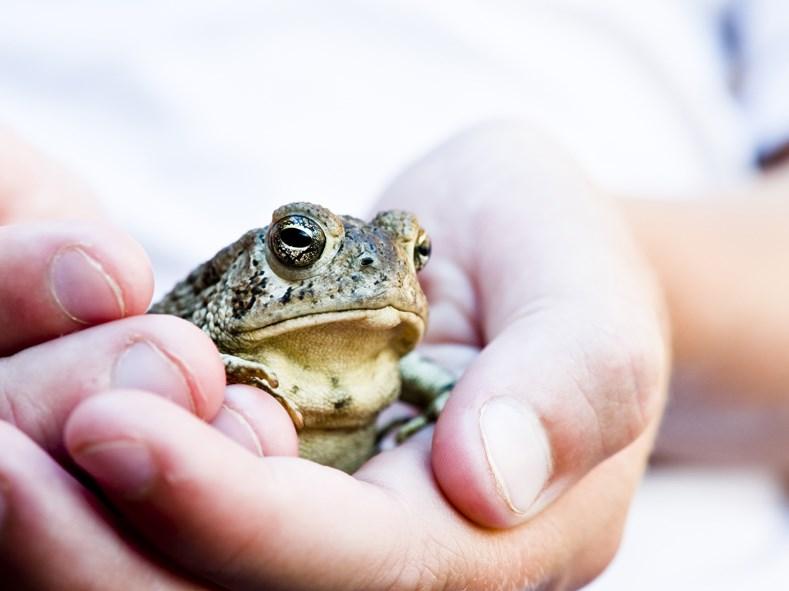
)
(123, 467)
(145, 366)
(235, 425)
(517, 450)
(83, 289)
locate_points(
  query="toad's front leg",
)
(426, 385)
(245, 371)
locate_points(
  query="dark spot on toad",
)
(286, 296)
(341, 403)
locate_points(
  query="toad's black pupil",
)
(296, 237)
(424, 250)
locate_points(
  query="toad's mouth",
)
(367, 319)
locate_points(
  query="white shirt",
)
(193, 119)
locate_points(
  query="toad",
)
(318, 310)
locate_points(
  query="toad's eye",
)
(296, 241)
(422, 250)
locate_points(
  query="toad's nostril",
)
(366, 261)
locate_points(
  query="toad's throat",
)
(338, 369)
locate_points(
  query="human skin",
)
(221, 494)
(710, 298)
(34, 187)
(723, 262)
(89, 282)
(561, 302)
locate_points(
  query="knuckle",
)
(24, 412)
(623, 378)
(429, 560)
(422, 565)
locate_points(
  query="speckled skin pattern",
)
(324, 339)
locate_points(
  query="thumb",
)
(536, 410)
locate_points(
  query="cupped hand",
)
(552, 422)
(72, 304)
(72, 297)
(535, 268)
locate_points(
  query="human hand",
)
(538, 271)
(90, 282)
(583, 319)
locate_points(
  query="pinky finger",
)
(54, 534)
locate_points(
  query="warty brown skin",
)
(325, 338)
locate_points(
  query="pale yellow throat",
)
(338, 369)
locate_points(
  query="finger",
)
(267, 532)
(256, 421)
(287, 523)
(574, 364)
(61, 276)
(54, 534)
(169, 356)
(35, 187)
(529, 418)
